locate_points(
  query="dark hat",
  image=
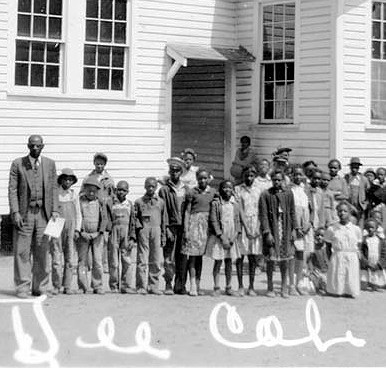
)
(91, 180)
(282, 150)
(100, 155)
(370, 170)
(280, 159)
(189, 151)
(67, 172)
(355, 161)
(176, 162)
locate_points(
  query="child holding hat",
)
(69, 209)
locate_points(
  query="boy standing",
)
(150, 214)
(122, 240)
(94, 222)
(173, 193)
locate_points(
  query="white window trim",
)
(257, 77)
(71, 73)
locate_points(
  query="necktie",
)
(36, 164)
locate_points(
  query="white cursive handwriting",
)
(269, 331)
(25, 353)
(106, 333)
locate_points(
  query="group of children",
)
(298, 216)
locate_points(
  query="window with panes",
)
(378, 61)
(278, 63)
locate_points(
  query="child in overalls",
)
(151, 218)
(122, 240)
(69, 209)
(94, 222)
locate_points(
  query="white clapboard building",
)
(142, 79)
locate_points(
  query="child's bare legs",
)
(291, 276)
(198, 273)
(239, 269)
(228, 276)
(216, 276)
(299, 262)
(252, 263)
(270, 267)
(283, 273)
(192, 274)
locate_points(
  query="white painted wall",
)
(135, 136)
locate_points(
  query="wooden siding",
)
(198, 114)
(310, 135)
(360, 137)
(133, 135)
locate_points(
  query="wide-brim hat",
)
(281, 150)
(280, 159)
(92, 181)
(355, 161)
(67, 172)
(176, 162)
(100, 155)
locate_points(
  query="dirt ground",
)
(180, 325)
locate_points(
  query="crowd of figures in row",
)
(297, 216)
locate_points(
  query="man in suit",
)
(33, 200)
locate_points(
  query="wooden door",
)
(198, 111)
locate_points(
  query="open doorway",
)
(198, 113)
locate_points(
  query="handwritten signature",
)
(269, 331)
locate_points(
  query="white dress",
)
(343, 268)
(377, 277)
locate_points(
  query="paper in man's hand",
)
(54, 228)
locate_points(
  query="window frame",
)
(259, 78)
(72, 57)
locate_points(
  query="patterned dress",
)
(248, 198)
(343, 270)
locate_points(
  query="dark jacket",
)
(174, 213)
(19, 188)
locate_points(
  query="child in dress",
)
(263, 180)
(151, 221)
(196, 228)
(122, 241)
(373, 258)
(304, 242)
(93, 228)
(318, 263)
(328, 200)
(225, 229)
(250, 243)
(343, 240)
(64, 246)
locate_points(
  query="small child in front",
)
(122, 241)
(373, 259)
(69, 209)
(94, 222)
(150, 223)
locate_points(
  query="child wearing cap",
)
(121, 241)
(63, 247)
(93, 227)
(173, 193)
(358, 185)
(106, 194)
(150, 223)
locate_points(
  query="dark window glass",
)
(89, 78)
(377, 30)
(120, 33)
(89, 54)
(39, 27)
(103, 56)
(268, 91)
(92, 9)
(376, 51)
(24, 6)
(103, 79)
(56, 7)
(24, 25)
(37, 72)
(22, 50)
(91, 30)
(53, 53)
(118, 57)
(280, 72)
(120, 9)
(268, 110)
(107, 9)
(278, 11)
(55, 28)
(269, 72)
(117, 80)
(37, 53)
(106, 32)
(267, 51)
(21, 74)
(52, 76)
(40, 6)
(376, 10)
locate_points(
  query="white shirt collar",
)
(32, 160)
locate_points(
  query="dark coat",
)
(268, 215)
(20, 184)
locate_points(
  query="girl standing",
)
(196, 228)
(225, 229)
(343, 240)
(189, 177)
(250, 244)
(305, 241)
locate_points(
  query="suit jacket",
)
(20, 183)
(364, 185)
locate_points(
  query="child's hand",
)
(76, 235)
(270, 240)
(170, 235)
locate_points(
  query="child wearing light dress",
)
(343, 243)
(250, 243)
(373, 258)
(225, 225)
(196, 228)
